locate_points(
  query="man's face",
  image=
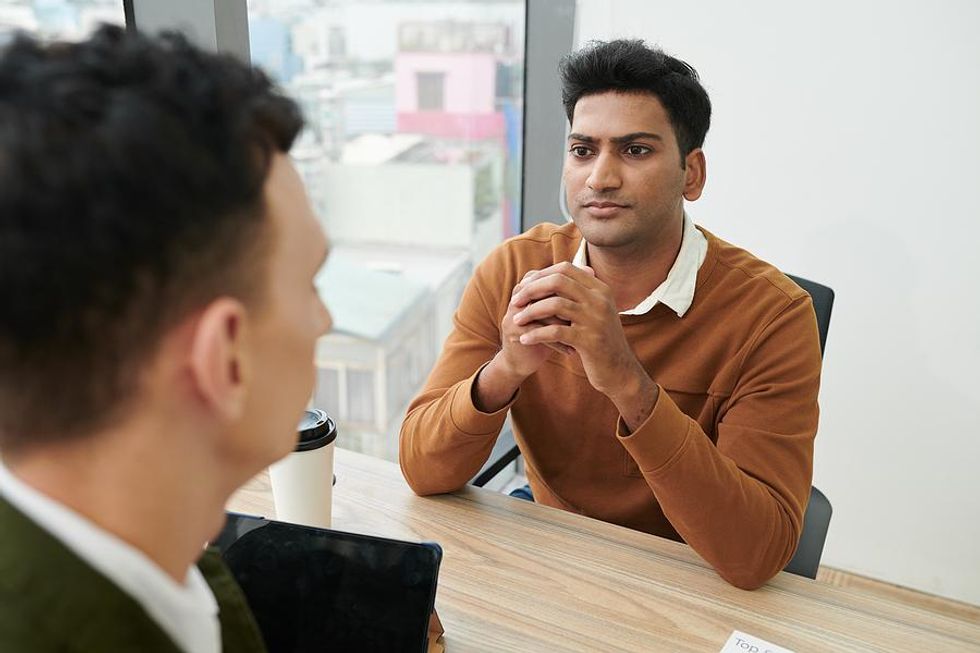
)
(285, 327)
(623, 175)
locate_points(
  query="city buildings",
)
(59, 19)
(412, 160)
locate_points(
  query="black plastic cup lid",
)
(315, 430)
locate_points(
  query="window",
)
(412, 159)
(429, 90)
(360, 396)
(58, 19)
(328, 392)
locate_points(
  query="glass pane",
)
(412, 159)
(58, 19)
(327, 393)
(360, 396)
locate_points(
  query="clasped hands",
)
(568, 309)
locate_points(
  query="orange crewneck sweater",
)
(723, 463)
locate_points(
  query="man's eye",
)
(637, 150)
(580, 151)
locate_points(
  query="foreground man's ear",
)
(218, 357)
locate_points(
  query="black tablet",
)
(315, 589)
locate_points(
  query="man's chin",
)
(263, 454)
(287, 448)
(603, 235)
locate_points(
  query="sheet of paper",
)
(739, 642)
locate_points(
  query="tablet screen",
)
(313, 589)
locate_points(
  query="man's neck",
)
(165, 504)
(636, 271)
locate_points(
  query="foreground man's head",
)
(157, 251)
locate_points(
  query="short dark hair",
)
(131, 193)
(629, 66)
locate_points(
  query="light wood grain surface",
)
(517, 576)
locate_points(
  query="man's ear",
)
(696, 173)
(218, 357)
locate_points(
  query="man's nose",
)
(605, 173)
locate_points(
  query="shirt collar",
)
(188, 613)
(677, 290)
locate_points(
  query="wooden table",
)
(517, 576)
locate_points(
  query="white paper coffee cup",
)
(302, 482)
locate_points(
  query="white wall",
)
(845, 147)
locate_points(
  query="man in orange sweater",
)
(657, 377)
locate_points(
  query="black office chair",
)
(504, 452)
(823, 305)
(816, 521)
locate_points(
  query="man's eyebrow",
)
(636, 136)
(625, 138)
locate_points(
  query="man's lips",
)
(603, 205)
(603, 209)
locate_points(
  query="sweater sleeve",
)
(740, 502)
(445, 439)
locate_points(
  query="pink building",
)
(446, 79)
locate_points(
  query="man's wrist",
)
(636, 398)
(496, 385)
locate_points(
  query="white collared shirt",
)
(187, 613)
(677, 290)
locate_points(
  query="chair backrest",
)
(823, 304)
(816, 521)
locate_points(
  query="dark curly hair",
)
(629, 66)
(131, 193)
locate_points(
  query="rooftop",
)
(370, 288)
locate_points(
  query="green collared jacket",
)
(51, 600)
